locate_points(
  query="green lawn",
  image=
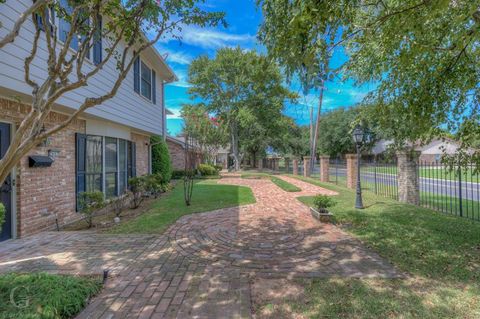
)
(440, 254)
(40, 295)
(207, 196)
(286, 186)
(429, 172)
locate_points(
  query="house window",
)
(64, 28)
(144, 80)
(122, 166)
(104, 164)
(94, 164)
(111, 169)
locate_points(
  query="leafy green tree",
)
(123, 24)
(301, 35)
(425, 57)
(336, 138)
(209, 133)
(161, 162)
(234, 83)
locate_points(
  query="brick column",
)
(306, 166)
(408, 179)
(295, 166)
(276, 164)
(287, 164)
(260, 163)
(324, 168)
(351, 170)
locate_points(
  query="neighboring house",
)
(176, 147)
(430, 152)
(98, 152)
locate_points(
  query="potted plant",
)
(321, 203)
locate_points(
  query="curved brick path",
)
(203, 266)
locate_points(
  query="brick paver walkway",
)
(203, 265)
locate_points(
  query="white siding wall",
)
(126, 108)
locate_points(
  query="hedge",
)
(161, 163)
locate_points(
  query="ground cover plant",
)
(41, 295)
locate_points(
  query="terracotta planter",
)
(324, 215)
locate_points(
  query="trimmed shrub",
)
(2, 214)
(89, 202)
(207, 170)
(161, 163)
(154, 184)
(322, 202)
(137, 187)
(218, 167)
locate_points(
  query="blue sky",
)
(243, 20)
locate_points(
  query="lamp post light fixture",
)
(360, 137)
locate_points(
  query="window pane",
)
(94, 154)
(122, 158)
(64, 27)
(110, 155)
(111, 185)
(146, 82)
(94, 183)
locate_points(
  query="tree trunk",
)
(313, 149)
(235, 150)
(254, 157)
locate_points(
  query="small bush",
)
(207, 170)
(154, 184)
(2, 214)
(119, 203)
(89, 202)
(161, 163)
(138, 188)
(218, 167)
(322, 202)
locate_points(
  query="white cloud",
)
(179, 57)
(211, 39)
(182, 79)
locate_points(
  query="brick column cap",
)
(324, 157)
(307, 157)
(351, 156)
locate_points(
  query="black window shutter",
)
(136, 75)
(97, 45)
(154, 87)
(80, 151)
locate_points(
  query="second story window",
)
(144, 80)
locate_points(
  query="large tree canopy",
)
(302, 36)
(236, 85)
(123, 24)
(425, 57)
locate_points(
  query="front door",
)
(6, 187)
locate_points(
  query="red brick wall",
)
(43, 193)
(177, 154)
(142, 143)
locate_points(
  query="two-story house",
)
(99, 151)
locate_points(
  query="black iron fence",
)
(338, 171)
(454, 191)
(380, 177)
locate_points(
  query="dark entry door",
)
(6, 188)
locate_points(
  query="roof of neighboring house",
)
(435, 146)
